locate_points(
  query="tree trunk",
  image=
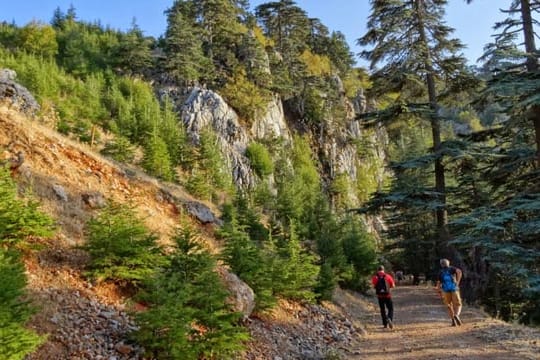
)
(440, 187)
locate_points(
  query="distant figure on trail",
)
(399, 276)
(448, 288)
(383, 282)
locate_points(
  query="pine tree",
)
(185, 59)
(121, 248)
(247, 260)
(19, 218)
(156, 159)
(16, 341)
(133, 52)
(498, 174)
(188, 315)
(289, 27)
(521, 69)
(299, 272)
(414, 47)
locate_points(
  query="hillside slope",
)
(88, 321)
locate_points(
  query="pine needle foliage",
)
(298, 271)
(19, 218)
(16, 341)
(187, 316)
(247, 259)
(260, 159)
(121, 248)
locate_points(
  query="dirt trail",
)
(423, 331)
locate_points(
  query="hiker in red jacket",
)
(383, 282)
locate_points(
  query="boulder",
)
(16, 94)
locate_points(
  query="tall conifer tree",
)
(412, 43)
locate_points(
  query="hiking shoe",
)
(390, 324)
(453, 322)
(457, 320)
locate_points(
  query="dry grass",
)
(52, 159)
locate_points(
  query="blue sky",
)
(473, 23)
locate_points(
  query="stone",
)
(16, 94)
(201, 212)
(60, 192)
(243, 297)
(94, 200)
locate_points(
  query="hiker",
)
(399, 276)
(448, 288)
(383, 282)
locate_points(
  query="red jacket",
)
(389, 282)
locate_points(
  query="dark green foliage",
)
(247, 260)
(276, 266)
(297, 271)
(121, 248)
(503, 228)
(156, 159)
(185, 59)
(15, 340)
(212, 164)
(120, 149)
(19, 218)
(420, 60)
(8, 35)
(407, 36)
(188, 317)
(260, 159)
(499, 201)
(247, 217)
(133, 51)
(359, 249)
(326, 283)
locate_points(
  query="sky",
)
(473, 23)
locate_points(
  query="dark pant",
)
(386, 303)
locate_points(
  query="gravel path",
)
(423, 331)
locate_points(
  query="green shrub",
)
(297, 272)
(245, 97)
(121, 248)
(156, 160)
(359, 248)
(120, 149)
(260, 159)
(198, 185)
(247, 260)
(19, 218)
(188, 317)
(15, 340)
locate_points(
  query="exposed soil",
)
(423, 331)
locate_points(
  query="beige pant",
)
(452, 300)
